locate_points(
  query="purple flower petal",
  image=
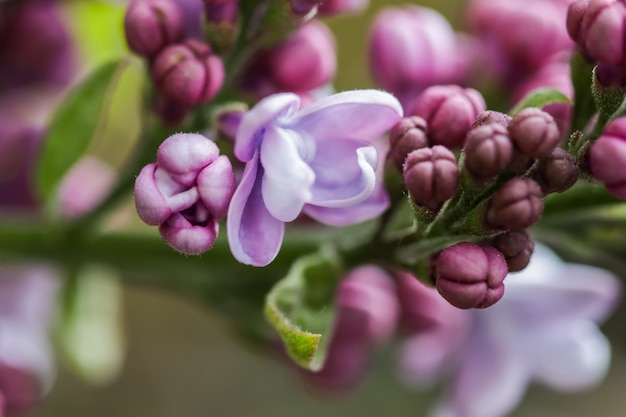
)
(254, 122)
(357, 115)
(187, 238)
(287, 179)
(254, 235)
(151, 205)
(182, 155)
(216, 184)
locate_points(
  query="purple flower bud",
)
(335, 7)
(228, 119)
(450, 112)
(517, 204)
(221, 12)
(471, 276)
(151, 25)
(607, 158)
(431, 176)
(490, 116)
(488, 150)
(407, 135)
(598, 28)
(534, 132)
(610, 76)
(412, 48)
(188, 73)
(186, 192)
(517, 247)
(304, 7)
(557, 173)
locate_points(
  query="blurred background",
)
(182, 358)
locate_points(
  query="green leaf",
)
(539, 98)
(89, 329)
(78, 122)
(300, 307)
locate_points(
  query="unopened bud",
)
(534, 132)
(407, 135)
(151, 25)
(517, 204)
(557, 173)
(488, 150)
(431, 176)
(490, 116)
(607, 158)
(517, 247)
(471, 276)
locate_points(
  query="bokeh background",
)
(184, 361)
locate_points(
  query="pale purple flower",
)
(545, 329)
(319, 160)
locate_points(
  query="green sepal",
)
(301, 308)
(539, 98)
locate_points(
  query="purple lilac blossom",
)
(544, 329)
(318, 160)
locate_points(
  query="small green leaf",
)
(300, 307)
(539, 98)
(78, 121)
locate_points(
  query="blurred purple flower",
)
(319, 160)
(544, 329)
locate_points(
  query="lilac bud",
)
(431, 176)
(304, 7)
(610, 76)
(221, 22)
(335, 7)
(488, 150)
(450, 112)
(151, 25)
(412, 48)
(534, 132)
(228, 118)
(598, 28)
(557, 172)
(517, 246)
(607, 158)
(407, 135)
(490, 116)
(471, 276)
(186, 192)
(188, 73)
(517, 204)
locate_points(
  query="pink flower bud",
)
(534, 132)
(186, 192)
(407, 135)
(607, 158)
(221, 12)
(188, 73)
(517, 247)
(431, 176)
(488, 150)
(517, 204)
(335, 7)
(471, 276)
(151, 25)
(411, 48)
(557, 172)
(598, 28)
(490, 116)
(450, 112)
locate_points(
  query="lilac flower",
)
(544, 329)
(318, 160)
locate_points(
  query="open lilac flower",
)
(544, 329)
(318, 160)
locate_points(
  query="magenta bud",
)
(517, 247)
(517, 204)
(488, 150)
(607, 158)
(489, 116)
(335, 7)
(450, 112)
(534, 132)
(228, 118)
(304, 7)
(610, 76)
(221, 12)
(598, 28)
(188, 73)
(407, 135)
(471, 276)
(186, 192)
(151, 25)
(557, 172)
(431, 176)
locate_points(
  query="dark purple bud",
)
(610, 76)
(170, 112)
(534, 132)
(517, 204)
(407, 135)
(151, 25)
(607, 158)
(431, 176)
(188, 73)
(221, 12)
(304, 7)
(557, 172)
(335, 7)
(490, 116)
(450, 112)
(488, 150)
(517, 247)
(471, 276)
(575, 15)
